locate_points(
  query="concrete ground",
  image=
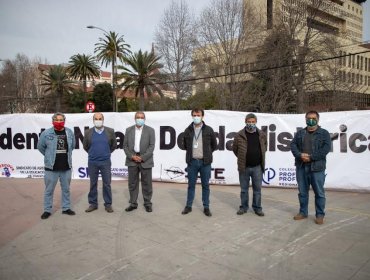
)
(167, 245)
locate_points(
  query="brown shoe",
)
(319, 220)
(91, 208)
(109, 209)
(299, 216)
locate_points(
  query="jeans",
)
(105, 170)
(196, 166)
(51, 179)
(305, 178)
(254, 173)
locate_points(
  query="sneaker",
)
(319, 220)
(186, 210)
(299, 216)
(259, 213)
(69, 212)
(91, 208)
(241, 211)
(207, 212)
(109, 209)
(45, 215)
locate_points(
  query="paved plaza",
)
(167, 245)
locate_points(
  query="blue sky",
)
(54, 30)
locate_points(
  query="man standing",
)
(100, 142)
(249, 146)
(138, 145)
(199, 142)
(310, 147)
(56, 145)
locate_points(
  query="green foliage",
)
(57, 82)
(76, 102)
(142, 75)
(111, 46)
(128, 105)
(103, 97)
(206, 100)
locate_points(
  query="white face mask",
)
(197, 120)
(98, 124)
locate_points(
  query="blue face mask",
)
(250, 126)
(197, 120)
(311, 122)
(140, 122)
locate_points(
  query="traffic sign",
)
(90, 106)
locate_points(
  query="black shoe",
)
(259, 213)
(130, 208)
(186, 210)
(69, 212)
(241, 211)
(45, 215)
(207, 212)
(148, 208)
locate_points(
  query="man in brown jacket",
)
(250, 148)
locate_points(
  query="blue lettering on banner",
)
(83, 172)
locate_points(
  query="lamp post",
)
(114, 66)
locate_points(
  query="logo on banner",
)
(6, 169)
(287, 177)
(174, 172)
(268, 175)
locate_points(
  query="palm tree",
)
(108, 49)
(56, 81)
(83, 67)
(142, 75)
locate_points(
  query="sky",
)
(54, 30)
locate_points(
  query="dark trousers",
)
(104, 168)
(146, 184)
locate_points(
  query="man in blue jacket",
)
(310, 147)
(56, 144)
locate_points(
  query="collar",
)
(99, 130)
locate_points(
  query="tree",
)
(308, 27)
(83, 67)
(174, 40)
(102, 97)
(273, 85)
(142, 75)
(108, 49)
(226, 28)
(18, 85)
(57, 82)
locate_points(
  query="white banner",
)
(347, 167)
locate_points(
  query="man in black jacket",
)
(199, 142)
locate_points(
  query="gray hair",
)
(58, 114)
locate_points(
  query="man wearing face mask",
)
(138, 145)
(199, 142)
(99, 142)
(250, 146)
(56, 145)
(310, 147)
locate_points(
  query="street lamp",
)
(114, 66)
